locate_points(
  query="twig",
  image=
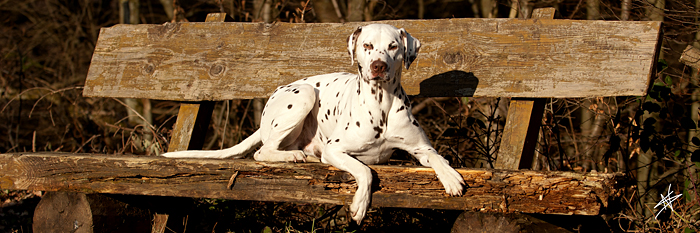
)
(135, 112)
(52, 92)
(86, 142)
(232, 180)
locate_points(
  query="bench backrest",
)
(530, 59)
(459, 57)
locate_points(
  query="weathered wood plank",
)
(520, 134)
(193, 118)
(191, 126)
(522, 123)
(407, 187)
(460, 57)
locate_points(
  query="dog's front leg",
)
(363, 177)
(447, 175)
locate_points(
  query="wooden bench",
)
(197, 63)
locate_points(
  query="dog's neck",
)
(377, 97)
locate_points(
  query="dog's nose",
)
(378, 67)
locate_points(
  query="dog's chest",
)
(349, 114)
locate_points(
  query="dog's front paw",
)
(450, 178)
(453, 182)
(359, 206)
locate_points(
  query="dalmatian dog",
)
(347, 120)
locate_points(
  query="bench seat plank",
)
(533, 58)
(406, 187)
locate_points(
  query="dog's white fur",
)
(347, 120)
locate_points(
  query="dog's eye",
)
(368, 46)
(393, 46)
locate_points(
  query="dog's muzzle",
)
(378, 69)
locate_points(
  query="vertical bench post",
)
(193, 118)
(522, 123)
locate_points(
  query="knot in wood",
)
(216, 70)
(452, 57)
(148, 69)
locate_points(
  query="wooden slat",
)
(520, 134)
(523, 122)
(460, 57)
(406, 187)
(191, 126)
(193, 118)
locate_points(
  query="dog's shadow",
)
(454, 83)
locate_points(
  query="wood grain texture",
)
(522, 123)
(520, 134)
(460, 57)
(191, 126)
(406, 187)
(193, 118)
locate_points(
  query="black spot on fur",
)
(319, 103)
(326, 116)
(275, 125)
(336, 94)
(357, 123)
(296, 91)
(336, 79)
(401, 108)
(318, 84)
(377, 135)
(415, 123)
(289, 106)
(337, 140)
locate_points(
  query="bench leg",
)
(63, 212)
(80, 212)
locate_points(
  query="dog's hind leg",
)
(282, 123)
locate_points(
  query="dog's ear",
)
(352, 41)
(411, 46)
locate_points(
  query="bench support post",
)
(191, 126)
(520, 134)
(522, 123)
(193, 119)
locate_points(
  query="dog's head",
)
(380, 49)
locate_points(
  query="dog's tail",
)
(236, 152)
